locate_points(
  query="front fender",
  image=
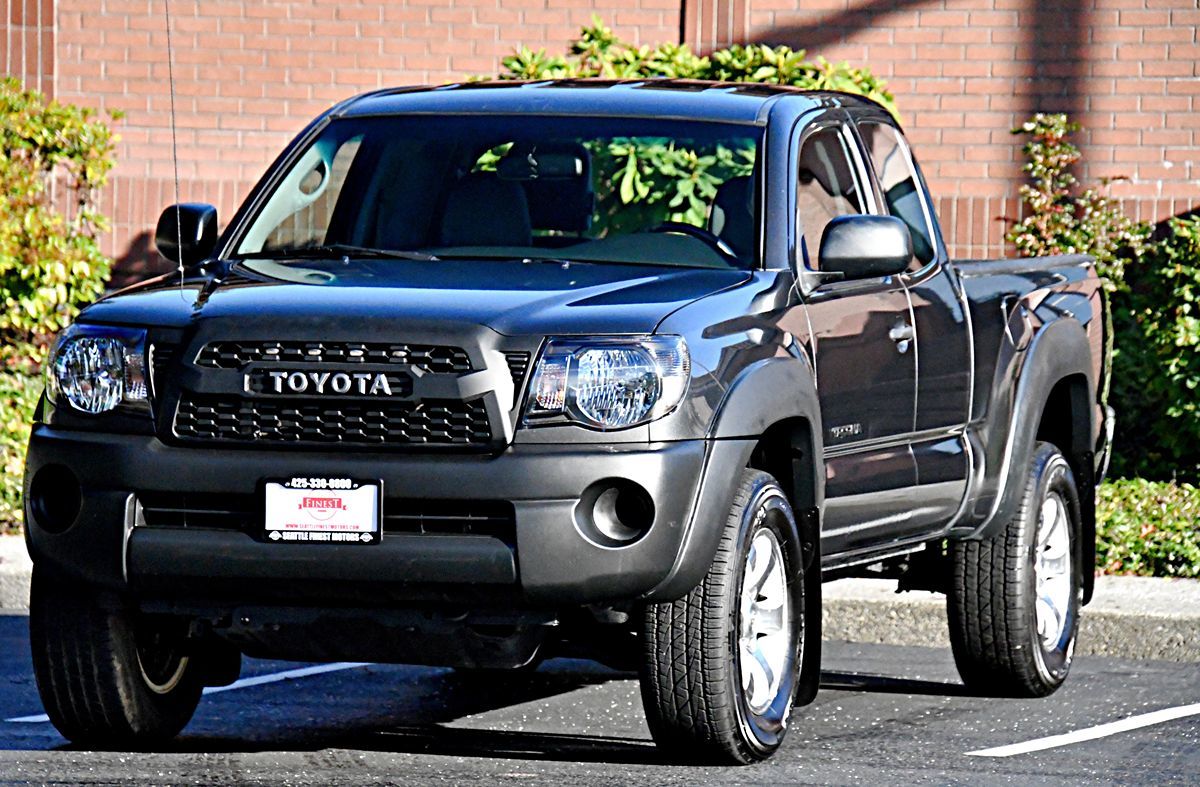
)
(767, 393)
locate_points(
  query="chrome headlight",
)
(94, 369)
(608, 383)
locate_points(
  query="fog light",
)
(614, 513)
(55, 498)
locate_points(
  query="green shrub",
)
(1154, 293)
(598, 52)
(1062, 220)
(18, 396)
(1156, 371)
(1148, 528)
(53, 159)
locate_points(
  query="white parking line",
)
(1091, 733)
(257, 680)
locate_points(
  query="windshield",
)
(626, 190)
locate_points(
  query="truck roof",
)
(729, 102)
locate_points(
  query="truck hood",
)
(510, 297)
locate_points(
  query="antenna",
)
(174, 138)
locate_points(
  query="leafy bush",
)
(53, 159)
(1156, 376)
(1061, 221)
(18, 396)
(598, 52)
(1148, 528)
(1154, 294)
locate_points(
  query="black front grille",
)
(430, 358)
(495, 518)
(429, 422)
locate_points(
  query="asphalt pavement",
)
(886, 715)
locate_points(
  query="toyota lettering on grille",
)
(309, 383)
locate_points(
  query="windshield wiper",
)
(522, 258)
(338, 250)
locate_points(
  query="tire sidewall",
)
(768, 508)
(75, 636)
(1054, 476)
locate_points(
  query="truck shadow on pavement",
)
(408, 710)
(414, 710)
(882, 684)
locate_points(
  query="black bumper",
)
(551, 563)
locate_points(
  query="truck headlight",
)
(608, 382)
(94, 369)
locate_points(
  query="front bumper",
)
(551, 563)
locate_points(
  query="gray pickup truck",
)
(488, 373)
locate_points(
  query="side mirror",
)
(862, 247)
(187, 233)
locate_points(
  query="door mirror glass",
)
(863, 247)
(187, 233)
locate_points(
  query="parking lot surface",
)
(885, 715)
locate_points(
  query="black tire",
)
(992, 607)
(691, 678)
(108, 678)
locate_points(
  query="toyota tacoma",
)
(487, 373)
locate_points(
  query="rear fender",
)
(1058, 351)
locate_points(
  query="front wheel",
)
(720, 666)
(109, 676)
(1014, 606)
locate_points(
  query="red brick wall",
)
(251, 74)
(27, 42)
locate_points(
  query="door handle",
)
(902, 335)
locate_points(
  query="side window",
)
(826, 188)
(898, 181)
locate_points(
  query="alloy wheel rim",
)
(764, 622)
(1052, 570)
(159, 659)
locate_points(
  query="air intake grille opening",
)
(495, 518)
(430, 358)
(427, 422)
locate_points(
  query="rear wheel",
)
(720, 666)
(109, 677)
(1014, 607)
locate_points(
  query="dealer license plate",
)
(323, 511)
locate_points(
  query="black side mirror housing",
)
(187, 233)
(863, 247)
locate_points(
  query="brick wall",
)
(27, 42)
(251, 74)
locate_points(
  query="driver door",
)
(865, 356)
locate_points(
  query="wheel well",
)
(785, 451)
(1065, 419)
(1065, 424)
